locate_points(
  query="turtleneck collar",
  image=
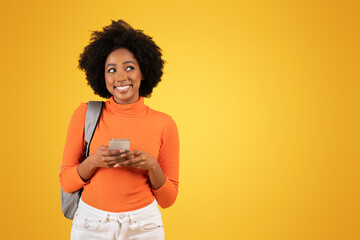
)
(133, 109)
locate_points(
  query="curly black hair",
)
(120, 34)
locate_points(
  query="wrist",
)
(90, 162)
(154, 167)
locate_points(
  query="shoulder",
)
(77, 122)
(163, 119)
(80, 113)
(81, 109)
(161, 116)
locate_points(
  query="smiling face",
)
(123, 76)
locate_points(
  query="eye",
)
(111, 70)
(129, 68)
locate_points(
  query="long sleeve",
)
(123, 189)
(70, 180)
(169, 161)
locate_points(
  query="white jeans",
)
(92, 223)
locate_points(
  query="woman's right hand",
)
(103, 157)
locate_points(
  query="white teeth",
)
(123, 87)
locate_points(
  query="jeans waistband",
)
(118, 215)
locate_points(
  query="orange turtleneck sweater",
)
(125, 188)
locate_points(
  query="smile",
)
(123, 88)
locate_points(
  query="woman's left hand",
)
(143, 160)
(138, 159)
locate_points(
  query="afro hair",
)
(120, 34)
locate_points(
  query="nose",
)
(121, 75)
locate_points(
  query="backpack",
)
(70, 201)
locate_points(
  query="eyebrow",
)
(113, 64)
(128, 62)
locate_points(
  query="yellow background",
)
(265, 95)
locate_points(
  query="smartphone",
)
(115, 144)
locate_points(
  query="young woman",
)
(122, 190)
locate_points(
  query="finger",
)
(120, 164)
(124, 163)
(136, 160)
(104, 147)
(114, 152)
(134, 152)
(139, 165)
(109, 164)
(129, 159)
(113, 159)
